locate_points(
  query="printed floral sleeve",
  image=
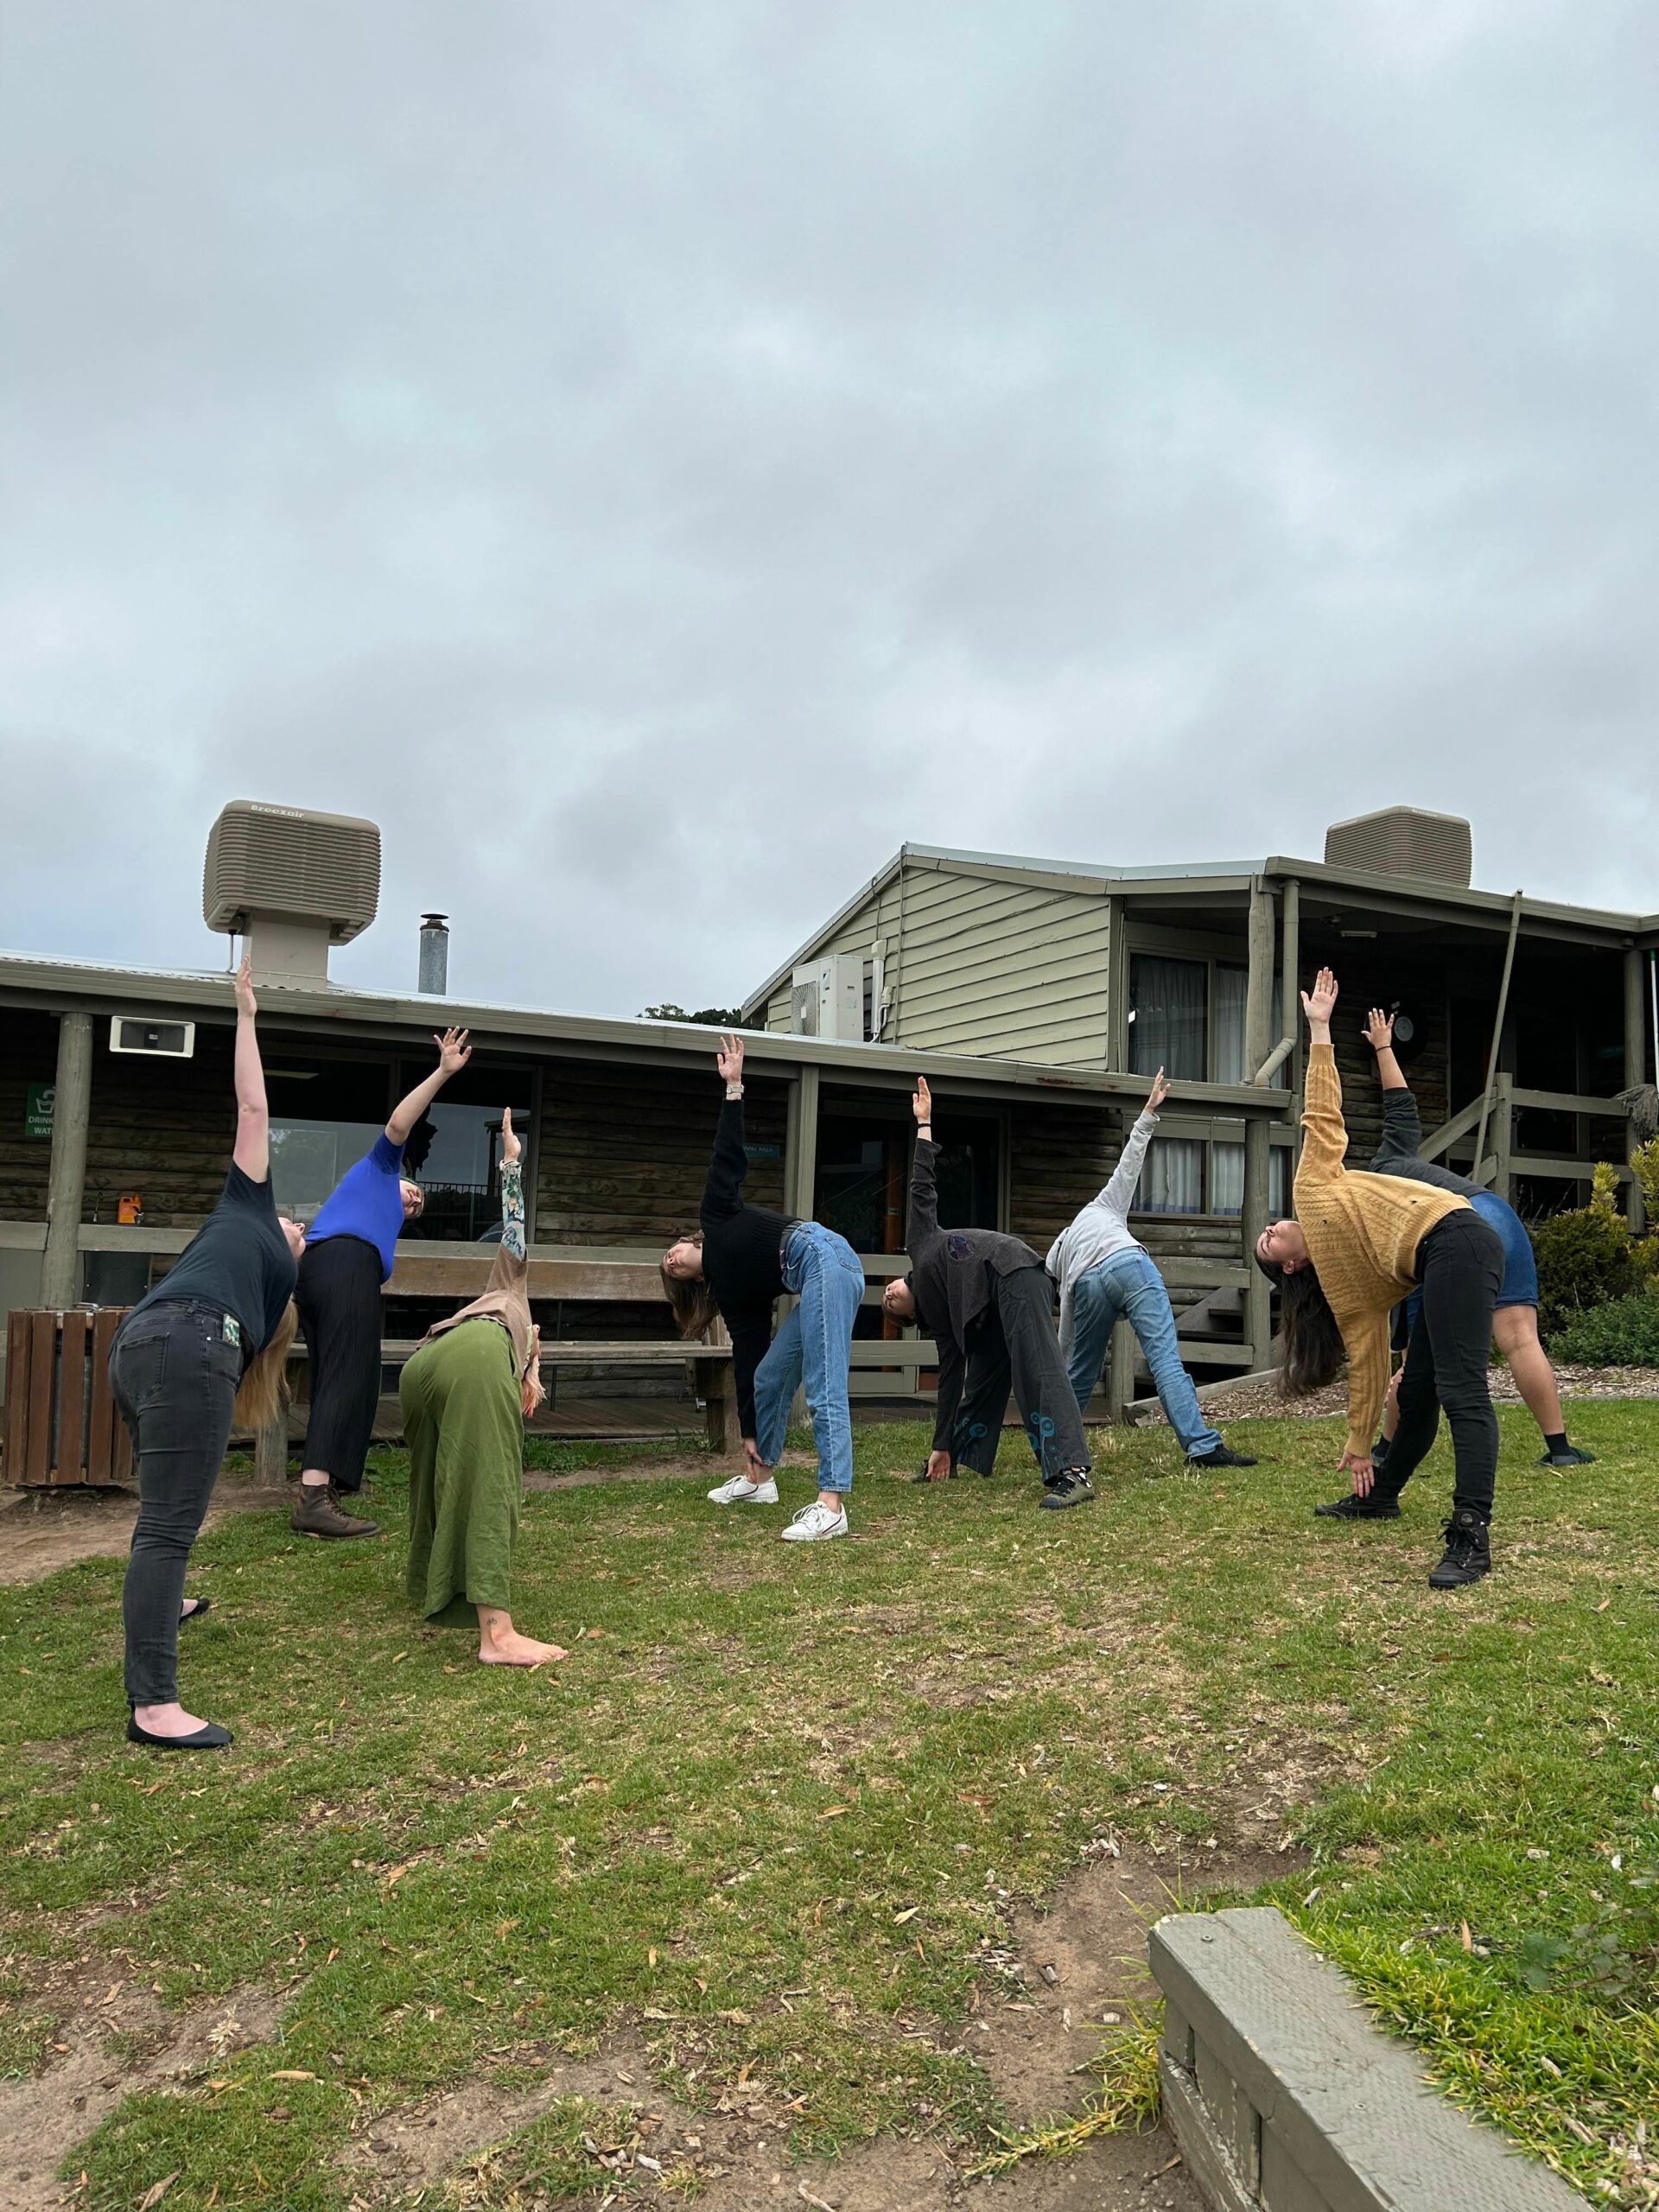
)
(512, 1208)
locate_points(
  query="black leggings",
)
(1460, 1266)
(338, 1302)
(1013, 1347)
(175, 1377)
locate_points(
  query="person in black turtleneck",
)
(738, 1264)
(987, 1301)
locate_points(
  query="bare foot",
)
(168, 1719)
(506, 1647)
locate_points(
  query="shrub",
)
(1585, 1258)
(1625, 1332)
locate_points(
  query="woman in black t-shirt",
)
(208, 1346)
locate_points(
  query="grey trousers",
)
(1014, 1349)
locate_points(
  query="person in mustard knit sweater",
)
(1360, 1242)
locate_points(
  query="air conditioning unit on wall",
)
(827, 999)
(161, 1040)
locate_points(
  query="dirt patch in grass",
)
(112, 2039)
(1262, 1401)
(43, 1530)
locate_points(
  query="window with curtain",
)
(1227, 1014)
(1167, 1017)
(1173, 1179)
(1227, 1179)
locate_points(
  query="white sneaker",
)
(742, 1491)
(814, 1523)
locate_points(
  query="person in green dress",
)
(466, 1395)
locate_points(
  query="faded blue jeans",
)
(1129, 1285)
(814, 1344)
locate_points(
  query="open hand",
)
(510, 1144)
(453, 1051)
(1318, 1004)
(1379, 1030)
(939, 1466)
(1159, 1092)
(729, 1058)
(245, 1002)
(1358, 1466)
(921, 1103)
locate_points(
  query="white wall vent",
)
(158, 1040)
(294, 882)
(1402, 840)
(827, 999)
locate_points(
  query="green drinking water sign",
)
(39, 1106)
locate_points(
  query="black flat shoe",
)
(198, 1608)
(1222, 1456)
(211, 1737)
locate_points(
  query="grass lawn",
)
(773, 1812)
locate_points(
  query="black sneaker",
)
(1071, 1487)
(1360, 1509)
(1570, 1457)
(1468, 1554)
(1221, 1457)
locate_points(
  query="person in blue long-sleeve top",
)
(349, 1253)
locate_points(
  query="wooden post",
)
(717, 1387)
(270, 1453)
(1290, 997)
(1502, 1133)
(1120, 1373)
(67, 1176)
(1117, 986)
(1258, 992)
(1252, 1220)
(1636, 1062)
(800, 1165)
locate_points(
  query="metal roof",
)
(31, 979)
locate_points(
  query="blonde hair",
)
(693, 1302)
(262, 1394)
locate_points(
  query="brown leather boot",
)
(320, 1513)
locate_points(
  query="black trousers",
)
(1461, 1266)
(1013, 1347)
(175, 1377)
(338, 1301)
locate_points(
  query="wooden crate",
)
(62, 1422)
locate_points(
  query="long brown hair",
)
(1312, 1350)
(262, 1395)
(692, 1300)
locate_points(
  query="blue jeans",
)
(1128, 1284)
(814, 1343)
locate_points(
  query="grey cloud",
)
(655, 461)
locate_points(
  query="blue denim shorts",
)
(1520, 1283)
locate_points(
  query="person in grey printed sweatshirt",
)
(1106, 1274)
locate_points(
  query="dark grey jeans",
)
(1015, 1348)
(175, 1378)
(1462, 1266)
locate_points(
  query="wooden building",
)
(1523, 1018)
(619, 1118)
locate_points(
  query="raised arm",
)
(1402, 1125)
(454, 1052)
(252, 1149)
(512, 1263)
(1325, 1133)
(722, 1194)
(1118, 1194)
(924, 1223)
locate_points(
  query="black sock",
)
(1558, 1443)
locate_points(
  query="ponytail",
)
(262, 1395)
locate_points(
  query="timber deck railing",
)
(1504, 1161)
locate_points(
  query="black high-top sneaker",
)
(1352, 1508)
(1468, 1554)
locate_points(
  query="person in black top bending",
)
(987, 1300)
(739, 1263)
(208, 1346)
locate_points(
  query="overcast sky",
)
(655, 460)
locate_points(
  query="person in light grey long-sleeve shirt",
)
(1105, 1274)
